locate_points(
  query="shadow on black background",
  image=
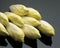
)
(46, 40)
(15, 44)
(31, 42)
(2, 41)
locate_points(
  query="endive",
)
(31, 32)
(4, 19)
(3, 31)
(31, 21)
(46, 28)
(34, 13)
(17, 20)
(19, 9)
(15, 32)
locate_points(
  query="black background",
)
(50, 11)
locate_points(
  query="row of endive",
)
(24, 21)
